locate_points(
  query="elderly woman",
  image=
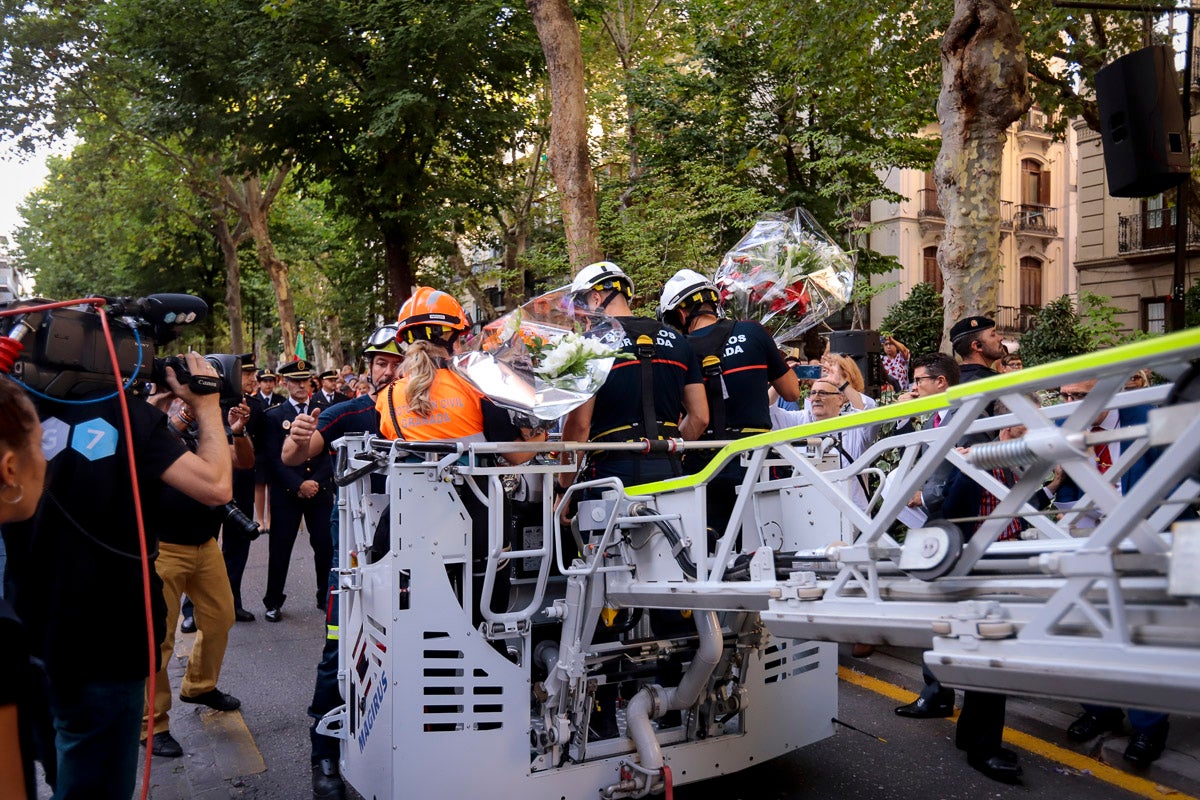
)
(845, 374)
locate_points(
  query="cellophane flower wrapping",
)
(544, 359)
(787, 273)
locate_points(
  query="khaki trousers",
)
(199, 572)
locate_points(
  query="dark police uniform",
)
(341, 419)
(287, 507)
(665, 360)
(259, 405)
(235, 545)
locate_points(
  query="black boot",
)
(327, 783)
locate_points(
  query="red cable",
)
(9, 350)
(151, 645)
(668, 783)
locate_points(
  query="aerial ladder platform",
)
(482, 657)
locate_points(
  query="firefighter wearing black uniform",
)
(656, 395)
(739, 361)
(302, 491)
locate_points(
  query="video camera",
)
(64, 353)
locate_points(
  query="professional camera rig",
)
(60, 351)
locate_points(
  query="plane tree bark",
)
(984, 90)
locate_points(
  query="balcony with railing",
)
(1151, 230)
(1019, 319)
(1006, 215)
(1034, 121)
(1036, 219)
(928, 204)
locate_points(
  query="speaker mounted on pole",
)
(1141, 123)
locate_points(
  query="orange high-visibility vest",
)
(456, 412)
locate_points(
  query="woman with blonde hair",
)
(845, 374)
(431, 402)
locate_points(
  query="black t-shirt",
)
(177, 518)
(619, 401)
(750, 360)
(80, 552)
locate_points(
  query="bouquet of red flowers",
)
(787, 273)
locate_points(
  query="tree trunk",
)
(397, 255)
(984, 90)
(233, 277)
(570, 163)
(253, 206)
(487, 311)
(337, 350)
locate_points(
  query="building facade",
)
(1037, 231)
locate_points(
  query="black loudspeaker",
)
(1141, 122)
(866, 348)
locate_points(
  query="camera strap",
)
(88, 535)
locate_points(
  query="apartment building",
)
(1037, 232)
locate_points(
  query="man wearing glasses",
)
(981, 722)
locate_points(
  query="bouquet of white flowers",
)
(543, 359)
(786, 273)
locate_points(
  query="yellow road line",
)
(1051, 752)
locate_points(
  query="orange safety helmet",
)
(430, 314)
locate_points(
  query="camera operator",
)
(190, 561)
(82, 547)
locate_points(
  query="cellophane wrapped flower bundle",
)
(787, 273)
(543, 359)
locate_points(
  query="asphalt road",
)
(262, 751)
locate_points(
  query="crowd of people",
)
(691, 373)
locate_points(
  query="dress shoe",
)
(215, 699)
(1145, 747)
(242, 615)
(1088, 725)
(862, 650)
(1000, 765)
(327, 783)
(940, 705)
(273, 615)
(164, 745)
(188, 625)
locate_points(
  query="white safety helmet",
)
(685, 288)
(600, 276)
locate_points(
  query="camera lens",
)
(235, 520)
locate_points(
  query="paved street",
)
(262, 751)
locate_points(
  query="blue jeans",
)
(97, 726)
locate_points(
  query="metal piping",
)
(654, 701)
